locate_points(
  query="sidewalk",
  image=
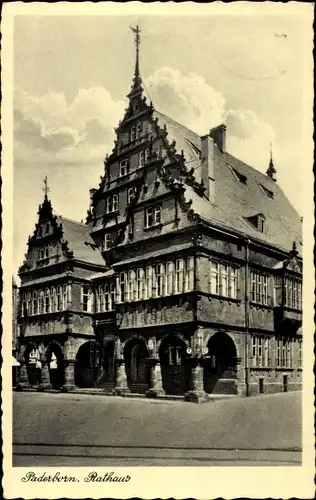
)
(102, 392)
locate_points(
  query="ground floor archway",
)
(220, 368)
(87, 365)
(175, 371)
(137, 370)
(55, 358)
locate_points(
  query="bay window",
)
(149, 282)
(86, 298)
(169, 278)
(223, 279)
(140, 277)
(160, 272)
(179, 275)
(189, 276)
(34, 302)
(59, 298)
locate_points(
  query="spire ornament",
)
(271, 170)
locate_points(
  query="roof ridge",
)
(72, 221)
(177, 123)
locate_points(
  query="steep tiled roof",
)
(236, 200)
(80, 241)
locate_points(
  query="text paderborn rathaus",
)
(185, 279)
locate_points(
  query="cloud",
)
(187, 98)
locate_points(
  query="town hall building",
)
(186, 278)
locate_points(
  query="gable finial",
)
(46, 188)
(271, 170)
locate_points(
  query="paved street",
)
(91, 430)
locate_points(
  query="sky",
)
(72, 75)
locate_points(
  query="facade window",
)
(214, 285)
(260, 352)
(141, 161)
(174, 355)
(146, 155)
(223, 280)
(124, 168)
(293, 293)
(109, 296)
(34, 302)
(41, 302)
(47, 300)
(139, 129)
(259, 288)
(169, 278)
(152, 216)
(59, 298)
(29, 303)
(65, 297)
(123, 287)
(160, 278)
(107, 241)
(23, 304)
(140, 287)
(133, 134)
(44, 252)
(149, 282)
(179, 275)
(112, 203)
(300, 354)
(86, 298)
(284, 353)
(189, 277)
(131, 286)
(130, 194)
(53, 299)
(278, 290)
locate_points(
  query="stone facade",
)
(168, 288)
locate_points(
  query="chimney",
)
(219, 135)
(207, 156)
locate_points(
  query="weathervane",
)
(45, 188)
(137, 43)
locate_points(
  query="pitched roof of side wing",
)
(241, 192)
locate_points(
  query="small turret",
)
(271, 170)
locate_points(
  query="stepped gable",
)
(79, 241)
(241, 192)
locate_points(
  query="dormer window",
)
(259, 222)
(238, 176)
(266, 191)
(124, 168)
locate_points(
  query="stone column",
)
(45, 384)
(69, 384)
(23, 378)
(196, 394)
(155, 388)
(121, 387)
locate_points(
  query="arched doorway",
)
(106, 377)
(175, 371)
(55, 358)
(87, 365)
(220, 369)
(33, 365)
(137, 369)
